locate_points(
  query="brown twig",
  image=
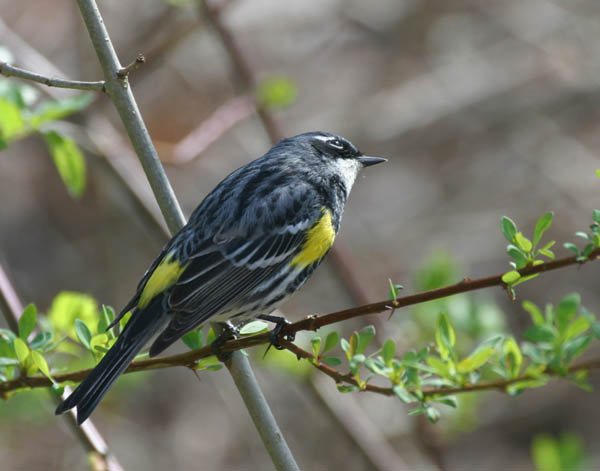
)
(11, 71)
(309, 323)
(125, 71)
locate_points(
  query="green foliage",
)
(69, 162)
(592, 239)
(565, 453)
(277, 92)
(523, 251)
(19, 118)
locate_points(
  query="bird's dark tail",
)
(141, 327)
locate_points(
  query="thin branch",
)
(125, 71)
(499, 385)
(88, 435)
(313, 323)
(120, 92)
(11, 71)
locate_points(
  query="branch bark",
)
(11, 71)
(117, 87)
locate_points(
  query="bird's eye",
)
(336, 144)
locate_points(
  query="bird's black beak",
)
(368, 161)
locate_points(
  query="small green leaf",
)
(509, 228)
(277, 92)
(535, 312)
(541, 226)
(576, 347)
(254, 327)
(52, 110)
(193, 339)
(99, 340)
(444, 335)
(331, 341)
(69, 162)
(21, 350)
(577, 327)
(332, 361)
(597, 172)
(346, 388)
(523, 242)
(513, 359)
(448, 401)
(433, 415)
(41, 363)
(388, 351)
(572, 247)
(27, 321)
(475, 360)
(364, 338)
(540, 333)
(11, 120)
(403, 394)
(596, 215)
(83, 333)
(107, 315)
(316, 346)
(510, 277)
(439, 367)
(566, 310)
(518, 254)
(345, 345)
(5, 361)
(41, 340)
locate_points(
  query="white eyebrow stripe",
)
(324, 138)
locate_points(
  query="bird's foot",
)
(274, 335)
(228, 332)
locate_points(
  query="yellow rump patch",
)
(319, 240)
(163, 277)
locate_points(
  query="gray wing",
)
(227, 270)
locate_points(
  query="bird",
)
(250, 244)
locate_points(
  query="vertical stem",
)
(120, 93)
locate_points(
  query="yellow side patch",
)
(319, 240)
(163, 277)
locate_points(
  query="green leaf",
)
(346, 388)
(572, 247)
(576, 347)
(193, 339)
(597, 172)
(433, 415)
(448, 401)
(99, 342)
(518, 254)
(475, 360)
(316, 346)
(577, 327)
(403, 394)
(69, 162)
(52, 110)
(41, 340)
(107, 315)
(41, 363)
(566, 310)
(331, 341)
(7, 334)
(364, 338)
(277, 92)
(27, 321)
(439, 367)
(444, 335)
(596, 215)
(540, 333)
(332, 361)
(5, 361)
(513, 359)
(536, 314)
(510, 277)
(345, 345)
(545, 454)
(83, 333)
(11, 120)
(541, 226)
(509, 228)
(254, 327)
(388, 351)
(21, 350)
(520, 386)
(356, 361)
(523, 242)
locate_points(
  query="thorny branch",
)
(313, 323)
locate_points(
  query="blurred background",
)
(483, 109)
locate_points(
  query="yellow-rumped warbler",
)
(253, 241)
